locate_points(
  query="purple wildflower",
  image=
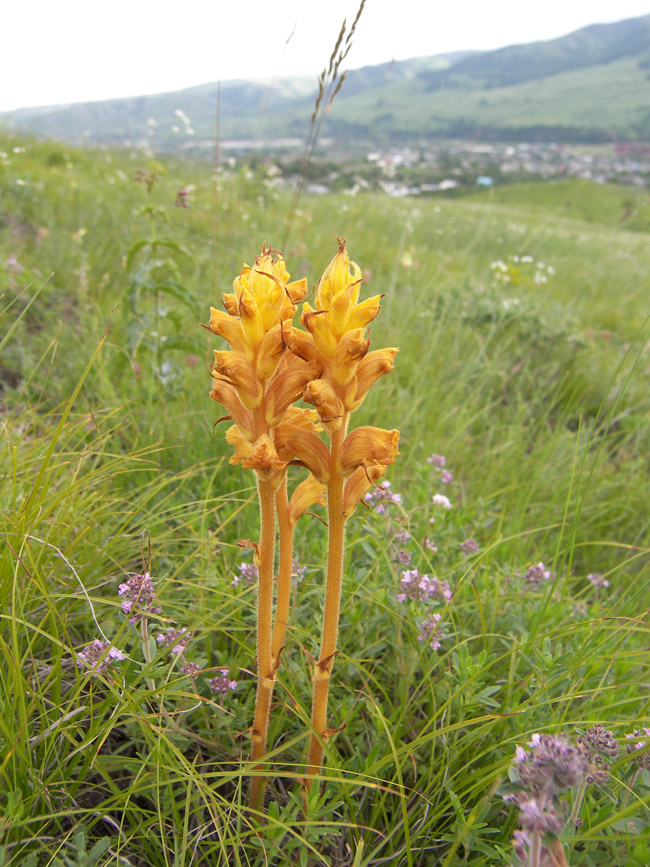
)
(446, 477)
(441, 500)
(382, 495)
(297, 571)
(139, 597)
(470, 546)
(220, 684)
(430, 545)
(98, 656)
(403, 537)
(552, 765)
(421, 588)
(430, 631)
(597, 580)
(248, 572)
(182, 198)
(403, 557)
(177, 639)
(600, 748)
(190, 669)
(438, 461)
(642, 760)
(537, 574)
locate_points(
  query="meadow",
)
(521, 393)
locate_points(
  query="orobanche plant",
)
(271, 365)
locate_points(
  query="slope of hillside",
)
(591, 85)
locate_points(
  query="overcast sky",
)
(59, 51)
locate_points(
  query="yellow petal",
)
(242, 446)
(270, 352)
(229, 327)
(351, 349)
(251, 319)
(308, 493)
(315, 321)
(365, 312)
(370, 368)
(361, 480)
(297, 290)
(231, 304)
(264, 459)
(326, 402)
(287, 386)
(368, 445)
(306, 447)
(301, 343)
(226, 394)
(241, 373)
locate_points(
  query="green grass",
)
(109, 461)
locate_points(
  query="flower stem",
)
(323, 668)
(265, 673)
(535, 850)
(283, 600)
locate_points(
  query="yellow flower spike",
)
(308, 493)
(226, 394)
(287, 387)
(361, 480)
(367, 445)
(326, 402)
(370, 368)
(241, 445)
(304, 446)
(242, 374)
(264, 459)
(352, 347)
(229, 327)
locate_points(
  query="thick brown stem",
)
(323, 669)
(283, 600)
(265, 673)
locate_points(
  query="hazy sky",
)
(58, 51)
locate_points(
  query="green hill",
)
(589, 86)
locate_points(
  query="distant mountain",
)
(592, 85)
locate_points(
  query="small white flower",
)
(441, 500)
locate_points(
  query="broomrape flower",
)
(98, 656)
